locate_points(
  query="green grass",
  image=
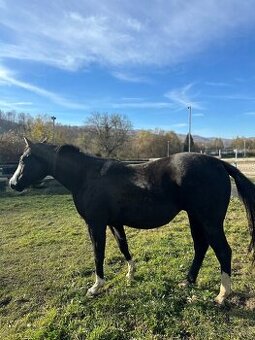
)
(46, 266)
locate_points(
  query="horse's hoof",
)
(96, 288)
(92, 294)
(219, 300)
(184, 284)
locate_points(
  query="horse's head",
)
(32, 167)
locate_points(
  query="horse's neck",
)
(74, 172)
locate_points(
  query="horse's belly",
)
(147, 216)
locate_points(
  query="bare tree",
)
(109, 132)
(11, 147)
(154, 144)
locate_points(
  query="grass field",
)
(46, 266)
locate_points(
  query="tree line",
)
(103, 134)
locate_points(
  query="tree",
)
(38, 128)
(241, 142)
(216, 145)
(173, 142)
(108, 132)
(148, 144)
(186, 144)
(11, 147)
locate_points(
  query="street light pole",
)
(168, 148)
(53, 128)
(189, 108)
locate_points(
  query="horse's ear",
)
(44, 140)
(29, 144)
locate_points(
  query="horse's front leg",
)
(120, 236)
(98, 236)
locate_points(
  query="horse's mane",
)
(70, 153)
(67, 148)
(72, 149)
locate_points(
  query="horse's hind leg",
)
(218, 242)
(200, 247)
(120, 236)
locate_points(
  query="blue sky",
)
(149, 60)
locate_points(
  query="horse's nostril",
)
(12, 184)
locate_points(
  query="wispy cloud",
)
(12, 104)
(7, 78)
(179, 125)
(233, 96)
(217, 84)
(249, 113)
(182, 97)
(130, 77)
(119, 33)
(133, 99)
(142, 105)
(198, 115)
(2, 4)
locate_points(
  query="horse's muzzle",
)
(15, 186)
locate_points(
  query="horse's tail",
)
(246, 191)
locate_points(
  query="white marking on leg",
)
(225, 288)
(184, 284)
(97, 286)
(131, 270)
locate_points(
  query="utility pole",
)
(189, 108)
(53, 128)
(244, 147)
(168, 148)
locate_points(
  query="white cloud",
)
(197, 115)
(75, 34)
(217, 84)
(179, 125)
(12, 104)
(7, 78)
(234, 96)
(2, 4)
(250, 113)
(130, 77)
(142, 105)
(133, 99)
(182, 97)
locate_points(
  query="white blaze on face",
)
(14, 178)
(225, 288)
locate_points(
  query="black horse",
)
(144, 196)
